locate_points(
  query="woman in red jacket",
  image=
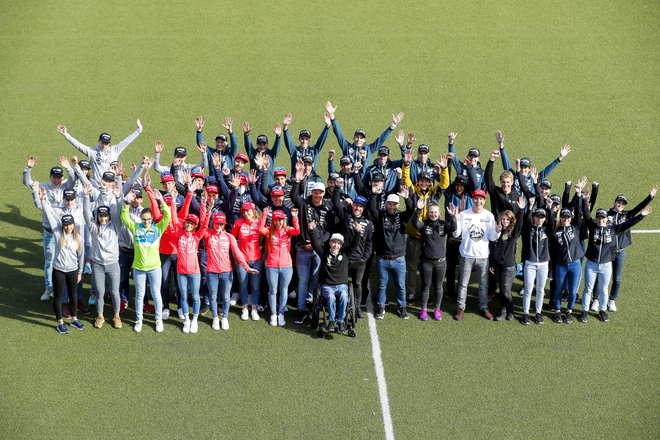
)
(219, 267)
(279, 267)
(246, 231)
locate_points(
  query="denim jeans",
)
(593, 271)
(331, 294)
(536, 273)
(49, 256)
(246, 280)
(278, 282)
(617, 273)
(219, 282)
(203, 288)
(568, 276)
(413, 251)
(140, 279)
(101, 273)
(125, 263)
(397, 267)
(465, 265)
(308, 264)
(504, 277)
(168, 266)
(189, 280)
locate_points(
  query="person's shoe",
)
(437, 314)
(380, 312)
(215, 325)
(234, 299)
(260, 308)
(273, 320)
(82, 308)
(403, 313)
(280, 320)
(61, 329)
(186, 326)
(159, 326)
(459, 314)
(66, 311)
(538, 318)
(224, 323)
(556, 318)
(148, 308)
(254, 315)
(410, 299)
(204, 310)
(611, 306)
(595, 305)
(331, 327)
(87, 269)
(359, 312)
(116, 322)
(91, 301)
(423, 315)
(300, 317)
(584, 317)
(509, 316)
(341, 327)
(486, 314)
(525, 319)
(122, 305)
(165, 314)
(47, 295)
(602, 315)
(77, 324)
(568, 316)
(98, 322)
(194, 325)
(180, 313)
(137, 328)
(502, 315)
(245, 314)
(292, 294)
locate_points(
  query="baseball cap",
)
(279, 171)
(278, 214)
(69, 194)
(378, 177)
(333, 176)
(277, 192)
(222, 137)
(56, 171)
(555, 199)
(479, 193)
(180, 152)
(424, 175)
(262, 139)
(167, 198)
(383, 150)
(109, 176)
(600, 213)
(423, 148)
(566, 213)
(67, 219)
(621, 198)
(85, 164)
(305, 133)
(474, 151)
(220, 218)
(539, 212)
(392, 198)
(345, 160)
(211, 189)
(460, 180)
(337, 237)
(166, 176)
(525, 162)
(360, 132)
(546, 183)
(138, 193)
(247, 206)
(360, 200)
(105, 138)
(318, 186)
(192, 218)
(243, 157)
(102, 210)
(243, 178)
(199, 175)
(308, 159)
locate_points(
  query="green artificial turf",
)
(545, 72)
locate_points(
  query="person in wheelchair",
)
(333, 276)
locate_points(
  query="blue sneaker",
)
(61, 329)
(77, 324)
(92, 299)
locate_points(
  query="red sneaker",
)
(486, 314)
(122, 305)
(459, 314)
(148, 308)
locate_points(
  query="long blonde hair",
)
(76, 239)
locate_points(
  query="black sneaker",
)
(584, 317)
(402, 312)
(300, 317)
(603, 316)
(568, 317)
(204, 309)
(538, 318)
(502, 315)
(341, 328)
(557, 319)
(380, 312)
(359, 312)
(331, 327)
(525, 319)
(509, 315)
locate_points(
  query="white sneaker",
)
(280, 320)
(224, 323)
(47, 295)
(234, 298)
(159, 326)
(594, 305)
(244, 314)
(292, 295)
(165, 314)
(180, 312)
(137, 328)
(611, 306)
(186, 326)
(194, 326)
(254, 315)
(215, 325)
(273, 320)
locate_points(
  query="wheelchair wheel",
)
(351, 312)
(316, 309)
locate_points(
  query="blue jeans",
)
(536, 274)
(254, 281)
(49, 256)
(168, 266)
(203, 288)
(191, 280)
(465, 265)
(397, 267)
(593, 271)
(331, 293)
(617, 273)
(223, 282)
(278, 282)
(308, 264)
(567, 275)
(125, 263)
(140, 279)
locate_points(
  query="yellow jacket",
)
(434, 193)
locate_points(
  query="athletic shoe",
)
(224, 323)
(280, 320)
(273, 320)
(423, 315)
(234, 299)
(410, 298)
(611, 306)
(486, 314)
(292, 294)
(165, 314)
(82, 308)
(204, 310)
(98, 322)
(437, 315)
(87, 269)
(61, 329)
(215, 325)
(509, 316)
(137, 328)
(77, 324)
(181, 315)
(557, 319)
(595, 305)
(603, 316)
(359, 312)
(568, 317)
(122, 305)
(380, 312)
(92, 299)
(245, 314)
(525, 319)
(300, 317)
(194, 325)
(584, 317)
(66, 311)
(186, 326)
(254, 315)
(116, 322)
(502, 315)
(459, 314)
(47, 295)
(402, 312)
(159, 326)
(341, 327)
(331, 328)
(538, 318)
(148, 308)
(260, 308)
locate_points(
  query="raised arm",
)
(130, 138)
(84, 149)
(644, 203)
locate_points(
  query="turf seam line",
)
(380, 373)
(646, 231)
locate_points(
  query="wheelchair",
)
(320, 313)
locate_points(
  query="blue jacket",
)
(349, 149)
(313, 150)
(272, 152)
(226, 157)
(463, 170)
(543, 174)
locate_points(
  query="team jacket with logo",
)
(249, 238)
(146, 241)
(218, 245)
(433, 234)
(602, 241)
(278, 243)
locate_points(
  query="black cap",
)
(378, 177)
(56, 171)
(68, 220)
(555, 199)
(566, 213)
(221, 136)
(333, 176)
(85, 164)
(423, 148)
(102, 210)
(262, 139)
(138, 193)
(69, 194)
(180, 152)
(525, 162)
(308, 159)
(539, 212)
(105, 138)
(474, 151)
(546, 183)
(383, 150)
(304, 133)
(360, 132)
(461, 180)
(621, 198)
(424, 175)
(109, 176)
(345, 160)
(601, 213)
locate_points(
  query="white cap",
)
(337, 237)
(393, 198)
(318, 186)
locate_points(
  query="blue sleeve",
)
(547, 170)
(222, 186)
(375, 145)
(275, 150)
(320, 142)
(506, 164)
(458, 165)
(257, 196)
(199, 138)
(249, 148)
(288, 144)
(341, 140)
(331, 167)
(233, 145)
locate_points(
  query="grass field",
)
(546, 73)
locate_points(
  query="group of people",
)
(224, 223)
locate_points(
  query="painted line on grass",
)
(380, 373)
(646, 231)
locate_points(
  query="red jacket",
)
(278, 243)
(248, 236)
(218, 245)
(170, 238)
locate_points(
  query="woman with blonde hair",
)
(246, 231)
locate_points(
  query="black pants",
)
(356, 273)
(504, 277)
(60, 280)
(433, 272)
(366, 290)
(452, 261)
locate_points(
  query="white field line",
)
(380, 373)
(645, 231)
